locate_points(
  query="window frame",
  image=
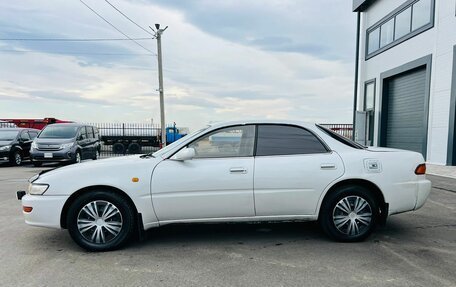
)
(255, 125)
(328, 150)
(392, 15)
(215, 131)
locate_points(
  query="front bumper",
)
(57, 156)
(422, 193)
(4, 156)
(46, 210)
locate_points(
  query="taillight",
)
(420, 169)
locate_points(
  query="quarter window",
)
(235, 141)
(286, 140)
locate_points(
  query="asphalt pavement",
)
(413, 249)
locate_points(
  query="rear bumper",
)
(423, 191)
(46, 210)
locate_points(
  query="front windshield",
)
(176, 143)
(58, 132)
(8, 136)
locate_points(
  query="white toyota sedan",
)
(231, 172)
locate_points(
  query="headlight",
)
(5, 148)
(34, 145)
(37, 189)
(67, 145)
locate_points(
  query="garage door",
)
(406, 114)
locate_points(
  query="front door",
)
(217, 183)
(292, 169)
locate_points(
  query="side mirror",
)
(184, 154)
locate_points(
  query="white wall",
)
(439, 42)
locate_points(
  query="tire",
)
(16, 158)
(134, 148)
(354, 225)
(77, 157)
(87, 234)
(37, 163)
(118, 148)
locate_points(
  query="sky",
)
(222, 60)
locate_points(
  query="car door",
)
(25, 142)
(292, 168)
(91, 141)
(216, 183)
(83, 142)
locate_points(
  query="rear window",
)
(339, 138)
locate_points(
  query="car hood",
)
(106, 167)
(3, 143)
(53, 141)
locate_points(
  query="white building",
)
(406, 76)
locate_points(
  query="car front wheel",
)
(16, 159)
(100, 221)
(349, 214)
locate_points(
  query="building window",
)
(403, 21)
(410, 19)
(369, 108)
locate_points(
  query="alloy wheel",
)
(99, 222)
(17, 158)
(352, 215)
(78, 157)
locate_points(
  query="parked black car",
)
(67, 142)
(15, 144)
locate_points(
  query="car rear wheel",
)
(100, 221)
(349, 214)
(16, 158)
(97, 155)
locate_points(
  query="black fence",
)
(119, 139)
(345, 130)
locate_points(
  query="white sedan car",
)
(231, 172)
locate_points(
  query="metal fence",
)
(119, 139)
(345, 130)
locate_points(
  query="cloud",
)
(223, 60)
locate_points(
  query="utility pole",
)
(158, 34)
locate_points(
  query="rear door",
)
(292, 168)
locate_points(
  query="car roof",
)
(268, 121)
(69, 125)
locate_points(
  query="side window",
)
(25, 136)
(96, 133)
(33, 134)
(286, 140)
(228, 142)
(90, 132)
(82, 132)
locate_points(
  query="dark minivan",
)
(15, 144)
(67, 142)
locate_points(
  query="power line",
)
(73, 39)
(104, 19)
(129, 19)
(74, 53)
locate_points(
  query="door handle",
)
(238, 170)
(328, 166)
